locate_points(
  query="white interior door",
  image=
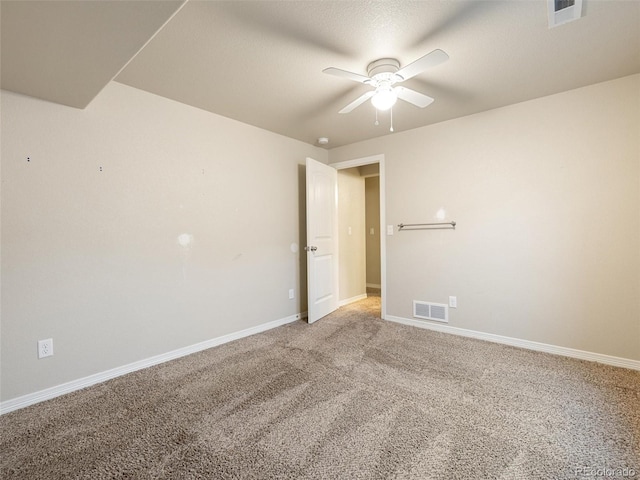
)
(322, 239)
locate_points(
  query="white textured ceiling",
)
(261, 62)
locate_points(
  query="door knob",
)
(311, 248)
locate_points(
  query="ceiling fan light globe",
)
(384, 99)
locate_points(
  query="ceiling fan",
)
(383, 74)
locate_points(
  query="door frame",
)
(359, 162)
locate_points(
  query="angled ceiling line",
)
(140, 49)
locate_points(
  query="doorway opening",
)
(361, 213)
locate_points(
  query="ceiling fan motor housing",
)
(384, 69)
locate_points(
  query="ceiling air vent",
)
(563, 11)
(431, 311)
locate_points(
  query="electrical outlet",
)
(453, 302)
(45, 348)
(291, 293)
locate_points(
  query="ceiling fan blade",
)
(356, 77)
(416, 98)
(357, 102)
(429, 60)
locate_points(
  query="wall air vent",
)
(563, 11)
(431, 311)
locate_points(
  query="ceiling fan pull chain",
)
(391, 129)
(376, 123)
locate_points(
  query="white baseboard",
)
(516, 342)
(373, 285)
(347, 301)
(52, 392)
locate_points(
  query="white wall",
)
(91, 258)
(352, 250)
(546, 194)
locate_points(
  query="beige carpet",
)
(349, 397)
